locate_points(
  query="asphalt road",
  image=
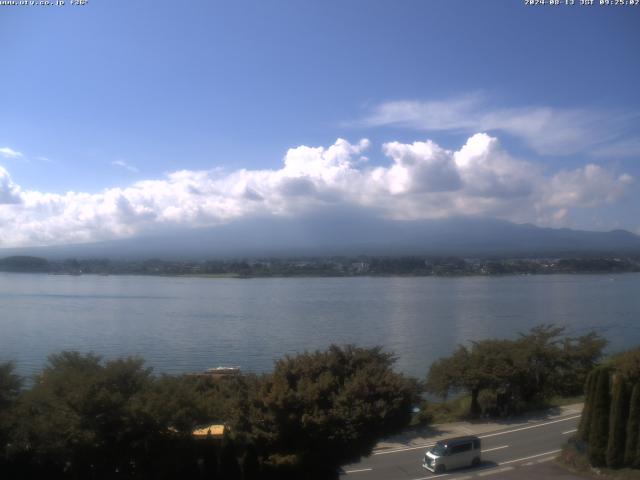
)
(511, 450)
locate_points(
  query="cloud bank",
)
(546, 130)
(420, 181)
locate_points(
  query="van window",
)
(460, 448)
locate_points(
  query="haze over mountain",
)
(351, 233)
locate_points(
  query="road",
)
(524, 445)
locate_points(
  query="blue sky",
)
(110, 99)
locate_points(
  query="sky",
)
(121, 118)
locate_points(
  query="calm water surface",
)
(188, 324)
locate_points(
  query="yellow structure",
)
(216, 431)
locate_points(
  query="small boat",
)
(223, 371)
(217, 372)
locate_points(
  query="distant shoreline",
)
(407, 266)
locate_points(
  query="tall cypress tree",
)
(618, 422)
(633, 427)
(585, 419)
(599, 425)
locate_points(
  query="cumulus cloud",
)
(9, 192)
(546, 130)
(421, 180)
(7, 152)
(589, 186)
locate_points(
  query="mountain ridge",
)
(349, 234)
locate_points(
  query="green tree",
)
(618, 422)
(534, 367)
(10, 389)
(90, 418)
(323, 409)
(578, 358)
(633, 424)
(599, 428)
(489, 364)
(585, 418)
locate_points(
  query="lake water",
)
(189, 324)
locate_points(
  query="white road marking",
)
(405, 449)
(396, 450)
(492, 472)
(529, 427)
(570, 431)
(528, 464)
(530, 457)
(495, 448)
(542, 460)
(359, 470)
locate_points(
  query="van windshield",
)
(439, 449)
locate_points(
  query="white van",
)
(453, 453)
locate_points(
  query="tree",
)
(489, 364)
(578, 358)
(86, 417)
(618, 422)
(323, 409)
(633, 424)
(585, 418)
(10, 385)
(534, 367)
(599, 428)
(10, 389)
(446, 373)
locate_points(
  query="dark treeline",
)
(85, 418)
(334, 266)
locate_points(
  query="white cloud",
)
(7, 152)
(421, 180)
(546, 130)
(125, 165)
(9, 192)
(589, 186)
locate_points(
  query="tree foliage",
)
(632, 444)
(533, 367)
(324, 409)
(84, 417)
(599, 428)
(618, 422)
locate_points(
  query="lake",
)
(181, 324)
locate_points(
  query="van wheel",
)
(475, 462)
(441, 469)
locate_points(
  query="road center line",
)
(492, 472)
(495, 448)
(570, 431)
(359, 470)
(530, 457)
(427, 445)
(529, 427)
